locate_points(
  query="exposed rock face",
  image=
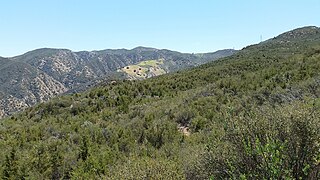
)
(73, 69)
(23, 86)
(39, 89)
(38, 75)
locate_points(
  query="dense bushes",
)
(254, 115)
(278, 143)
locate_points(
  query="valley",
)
(41, 74)
(254, 114)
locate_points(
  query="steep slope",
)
(61, 64)
(253, 115)
(22, 85)
(43, 73)
(309, 33)
(74, 69)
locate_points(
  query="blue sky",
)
(182, 25)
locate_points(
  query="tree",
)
(10, 169)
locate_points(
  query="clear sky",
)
(182, 25)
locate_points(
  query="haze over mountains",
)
(38, 75)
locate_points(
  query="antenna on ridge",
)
(260, 38)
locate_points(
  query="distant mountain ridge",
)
(38, 75)
(74, 68)
(252, 115)
(22, 85)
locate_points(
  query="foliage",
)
(254, 115)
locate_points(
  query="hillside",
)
(44, 73)
(252, 115)
(22, 85)
(76, 68)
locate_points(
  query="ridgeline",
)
(252, 115)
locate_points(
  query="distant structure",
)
(260, 38)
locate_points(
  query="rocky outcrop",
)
(39, 75)
(23, 86)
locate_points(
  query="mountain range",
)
(252, 115)
(41, 74)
